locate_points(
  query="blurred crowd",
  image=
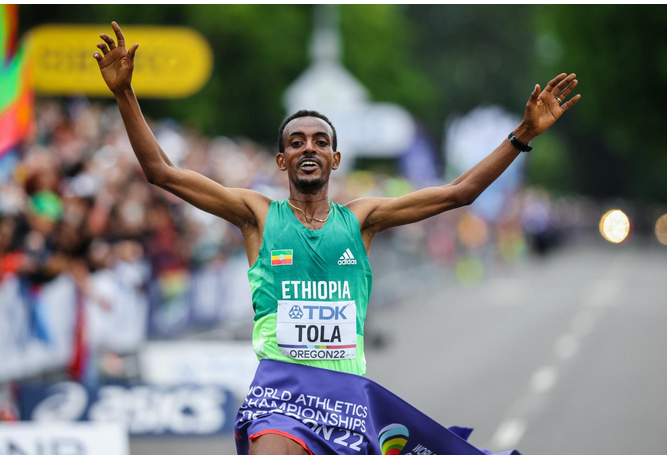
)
(78, 201)
(92, 258)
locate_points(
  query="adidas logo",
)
(347, 258)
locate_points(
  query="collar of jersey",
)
(311, 232)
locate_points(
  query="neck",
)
(310, 201)
(311, 205)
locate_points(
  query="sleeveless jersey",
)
(310, 291)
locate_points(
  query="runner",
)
(311, 280)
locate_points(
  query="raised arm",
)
(542, 110)
(242, 207)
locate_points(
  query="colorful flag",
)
(281, 257)
(16, 96)
(8, 30)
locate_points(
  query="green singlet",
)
(310, 291)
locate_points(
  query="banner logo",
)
(393, 438)
(296, 312)
(143, 409)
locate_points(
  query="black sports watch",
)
(518, 144)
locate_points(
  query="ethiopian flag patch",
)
(281, 257)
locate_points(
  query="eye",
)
(296, 143)
(322, 143)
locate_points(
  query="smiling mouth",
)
(308, 165)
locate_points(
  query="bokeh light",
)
(615, 226)
(661, 229)
(473, 231)
(469, 271)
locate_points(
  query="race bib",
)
(317, 330)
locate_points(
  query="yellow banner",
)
(171, 62)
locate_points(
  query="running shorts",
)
(329, 412)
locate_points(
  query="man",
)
(311, 279)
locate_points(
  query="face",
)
(309, 157)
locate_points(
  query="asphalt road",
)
(564, 354)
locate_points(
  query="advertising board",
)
(63, 61)
(183, 410)
(72, 438)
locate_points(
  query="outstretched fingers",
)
(555, 81)
(109, 44)
(103, 47)
(133, 50)
(562, 85)
(565, 92)
(532, 101)
(565, 106)
(119, 34)
(107, 39)
(536, 93)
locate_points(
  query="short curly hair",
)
(305, 113)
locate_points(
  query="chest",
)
(335, 253)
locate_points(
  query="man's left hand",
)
(545, 107)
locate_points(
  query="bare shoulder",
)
(253, 229)
(256, 202)
(364, 207)
(254, 198)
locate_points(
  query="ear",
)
(336, 160)
(280, 160)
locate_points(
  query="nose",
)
(310, 146)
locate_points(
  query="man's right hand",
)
(246, 209)
(117, 63)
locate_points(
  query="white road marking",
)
(582, 323)
(602, 292)
(566, 346)
(544, 379)
(508, 434)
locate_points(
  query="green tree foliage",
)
(619, 53)
(439, 61)
(474, 54)
(486, 54)
(379, 48)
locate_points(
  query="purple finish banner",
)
(329, 412)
